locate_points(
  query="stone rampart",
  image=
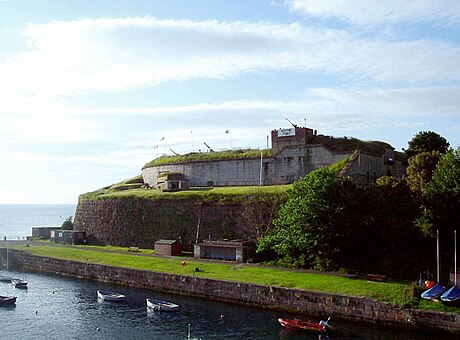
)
(138, 222)
(292, 300)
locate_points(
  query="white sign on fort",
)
(286, 132)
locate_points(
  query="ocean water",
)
(17, 220)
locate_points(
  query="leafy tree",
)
(443, 206)
(443, 194)
(394, 242)
(388, 180)
(67, 224)
(313, 228)
(446, 176)
(420, 170)
(426, 141)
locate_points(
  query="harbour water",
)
(61, 308)
(56, 307)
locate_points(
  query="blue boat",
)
(437, 290)
(453, 294)
(434, 292)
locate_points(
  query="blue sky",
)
(90, 91)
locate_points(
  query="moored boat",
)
(321, 327)
(161, 305)
(19, 283)
(5, 278)
(7, 300)
(110, 296)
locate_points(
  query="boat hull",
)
(110, 296)
(18, 283)
(302, 325)
(451, 295)
(161, 305)
(5, 278)
(7, 300)
(434, 292)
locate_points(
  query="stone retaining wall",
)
(292, 300)
(138, 222)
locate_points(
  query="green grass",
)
(391, 292)
(209, 156)
(200, 194)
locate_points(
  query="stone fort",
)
(295, 152)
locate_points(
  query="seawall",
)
(279, 298)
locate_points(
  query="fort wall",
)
(290, 164)
(138, 222)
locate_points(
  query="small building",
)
(43, 232)
(172, 181)
(168, 247)
(68, 236)
(230, 250)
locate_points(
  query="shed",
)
(230, 250)
(43, 232)
(168, 247)
(68, 236)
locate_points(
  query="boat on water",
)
(320, 327)
(161, 305)
(7, 300)
(6, 278)
(110, 296)
(19, 283)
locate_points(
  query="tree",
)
(67, 224)
(443, 194)
(313, 228)
(394, 242)
(420, 170)
(443, 206)
(426, 141)
(446, 176)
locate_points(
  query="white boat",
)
(161, 305)
(6, 278)
(110, 296)
(19, 283)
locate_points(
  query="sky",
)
(90, 91)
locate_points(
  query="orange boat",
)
(321, 327)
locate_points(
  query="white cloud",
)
(365, 12)
(121, 54)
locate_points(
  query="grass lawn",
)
(200, 194)
(393, 292)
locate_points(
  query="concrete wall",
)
(285, 167)
(293, 300)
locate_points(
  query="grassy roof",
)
(209, 156)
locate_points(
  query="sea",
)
(17, 220)
(56, 307)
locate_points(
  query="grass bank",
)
(392, 292)
(122, 190)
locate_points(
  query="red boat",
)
(321, 327)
